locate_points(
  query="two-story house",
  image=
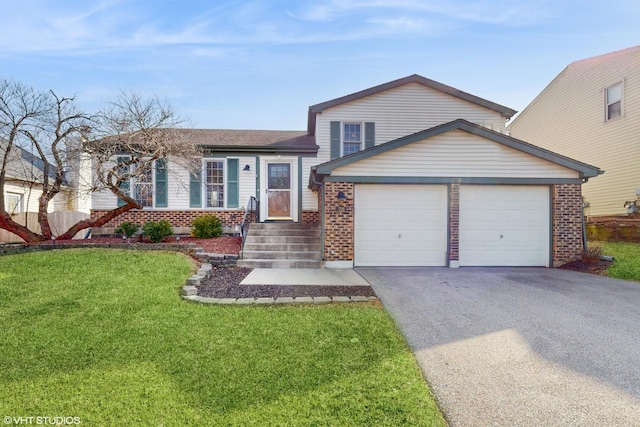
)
(410, 172)
(591, 112)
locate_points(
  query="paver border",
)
(189, 292)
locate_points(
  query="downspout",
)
(584, 232)
(321, 214)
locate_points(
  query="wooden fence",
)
(59, 221)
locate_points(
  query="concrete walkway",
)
(283, 277)
(304, 276)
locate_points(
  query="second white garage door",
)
(400, 225)
(504, 225)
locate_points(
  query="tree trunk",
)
(98, 221)
(7, 223)
(43, 217)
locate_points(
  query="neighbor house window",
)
(214, 183)
(613, 97)
(13, 203)
(352, 138)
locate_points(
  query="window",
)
(613, 100)
(148, 187)
(13, 203)
(214, 183)
(142, 185)
(352, 138)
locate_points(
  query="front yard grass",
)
(627, 259)
(103, 335)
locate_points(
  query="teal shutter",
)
(369, 134)
(195, 189)
(161, 183)
(233, 187)
(125, 185)
(334, 138)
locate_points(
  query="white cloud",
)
(509, 12)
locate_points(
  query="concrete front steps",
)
(282, 245)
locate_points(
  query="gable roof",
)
(414, 78)
(26, 166)
(577, 69)
(585, 170)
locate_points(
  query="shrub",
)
(592, 255)
(157, 231)
(127, 229)
(206, 226)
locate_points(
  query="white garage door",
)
(504, 225)
(400, 225)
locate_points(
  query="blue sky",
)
(260, 64)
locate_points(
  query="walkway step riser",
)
(279, 263)
(251, 239)
(283, 255)
(296, 247)
(283, 232)
(285, 226)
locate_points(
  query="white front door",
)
(400, 225)
(504, 225)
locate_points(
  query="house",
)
(410, 172)
(591, 112)
(23, 184)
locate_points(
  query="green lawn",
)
(627, 259)
(103, 335)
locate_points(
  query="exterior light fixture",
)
(341, 195)
(246, 168)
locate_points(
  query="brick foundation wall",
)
(310, 217)
(176, 218)
(181, 220)
(454, 222)
(338, 217)
(567, 223)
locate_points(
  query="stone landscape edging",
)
(190, 292)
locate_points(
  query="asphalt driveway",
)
(520, 346)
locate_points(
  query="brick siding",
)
(567, 223)
(338, 219)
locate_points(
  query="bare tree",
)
(64, 140)
(40, 123)
(126, 139)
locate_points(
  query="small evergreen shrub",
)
(206, 226)
(157, 231)
(127, 229)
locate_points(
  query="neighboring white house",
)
(591, 112)
(22, 191)
(23, 188)
(410, 172)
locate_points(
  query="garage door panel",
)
(504, 225)
(400, 225)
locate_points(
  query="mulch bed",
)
(227, 245)
(224, 282)
(599, 267)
